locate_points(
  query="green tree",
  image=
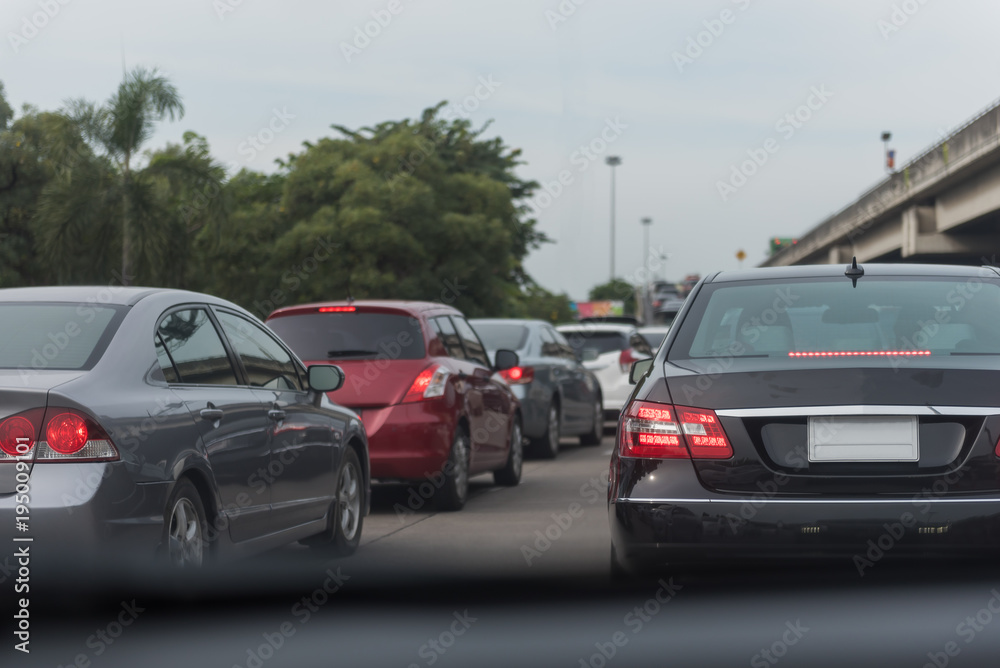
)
(615, 290)
(109, 203)
(538, 303)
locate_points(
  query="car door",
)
(231, 418)
(494, 428)
(576, 384)
(300, 470)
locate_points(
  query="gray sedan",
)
(143, 422)
(559, 397)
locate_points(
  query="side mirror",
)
(505, 359)
(639, 369)
(325, 377)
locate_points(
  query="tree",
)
(615, 290)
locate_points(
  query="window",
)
(550, 347)
(358, 335)
(502, 335)
(474, 350)
(449, 337)
(190, 350)
(54, 336)
(566, 350)
(267, 364)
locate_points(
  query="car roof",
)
(384, 305)
(97, 294)
(871, 269)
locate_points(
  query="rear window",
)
(55, 336)
(501, 336)
(356, 335)
(600, 342)
(828, 318)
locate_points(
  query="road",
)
(480, 588)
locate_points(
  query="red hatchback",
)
(433, 406)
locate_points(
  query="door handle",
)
(276, 414)
(211, 414)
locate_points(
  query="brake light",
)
(662, 431)
(997, 450)
(625, 360)
(66, 435)
(518, 375)
(429, 384)
(337, 309)
(17, 436)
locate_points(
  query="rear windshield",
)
(826, 318)
(600, 342)
(55, 336)
(333, 336)
(501, 336)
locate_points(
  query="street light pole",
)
(886, 137)
(646, 223)
(612, 161)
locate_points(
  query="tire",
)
(454, 492)
(347, 520)
(185, 528)
(547, 446)
(510, 474)
(596, 434)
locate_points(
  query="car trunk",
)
(375, 383)
(910, 430)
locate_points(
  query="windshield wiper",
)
(350, 353)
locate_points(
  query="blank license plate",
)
(863, 439)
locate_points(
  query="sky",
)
(684, 92)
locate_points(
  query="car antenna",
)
(854, 272)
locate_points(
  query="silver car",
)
(143, 422)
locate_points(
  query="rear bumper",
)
(862, 532)
(409, 441)
(90, 510)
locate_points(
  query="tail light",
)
(625, 360)
(997, 450)
(518, 375)
(67, 435)
(662, 431)
(429, 384)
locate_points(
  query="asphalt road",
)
(520, 578)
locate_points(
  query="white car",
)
(608, 350)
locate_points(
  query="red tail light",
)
(337, 309)
(625, 360)
(997, 451)
(518, 375)
(69, 435)
(662, 431)
(431, 383)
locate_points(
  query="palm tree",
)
(111, 200)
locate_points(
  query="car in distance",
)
(422, 382)
(816, 411)
(654, 335)
(140, 421)
(559, 397)
(608, 350)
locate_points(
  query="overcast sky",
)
(681, 114)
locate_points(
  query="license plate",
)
(864, 439)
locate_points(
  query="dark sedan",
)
(816, 411)
(137, 422)
(559, 397)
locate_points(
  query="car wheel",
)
(510, 474)
(455, 489)
(347, 515)
(547, 446)
(185, 527)
(594, 436)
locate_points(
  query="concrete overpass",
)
(942, 207)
